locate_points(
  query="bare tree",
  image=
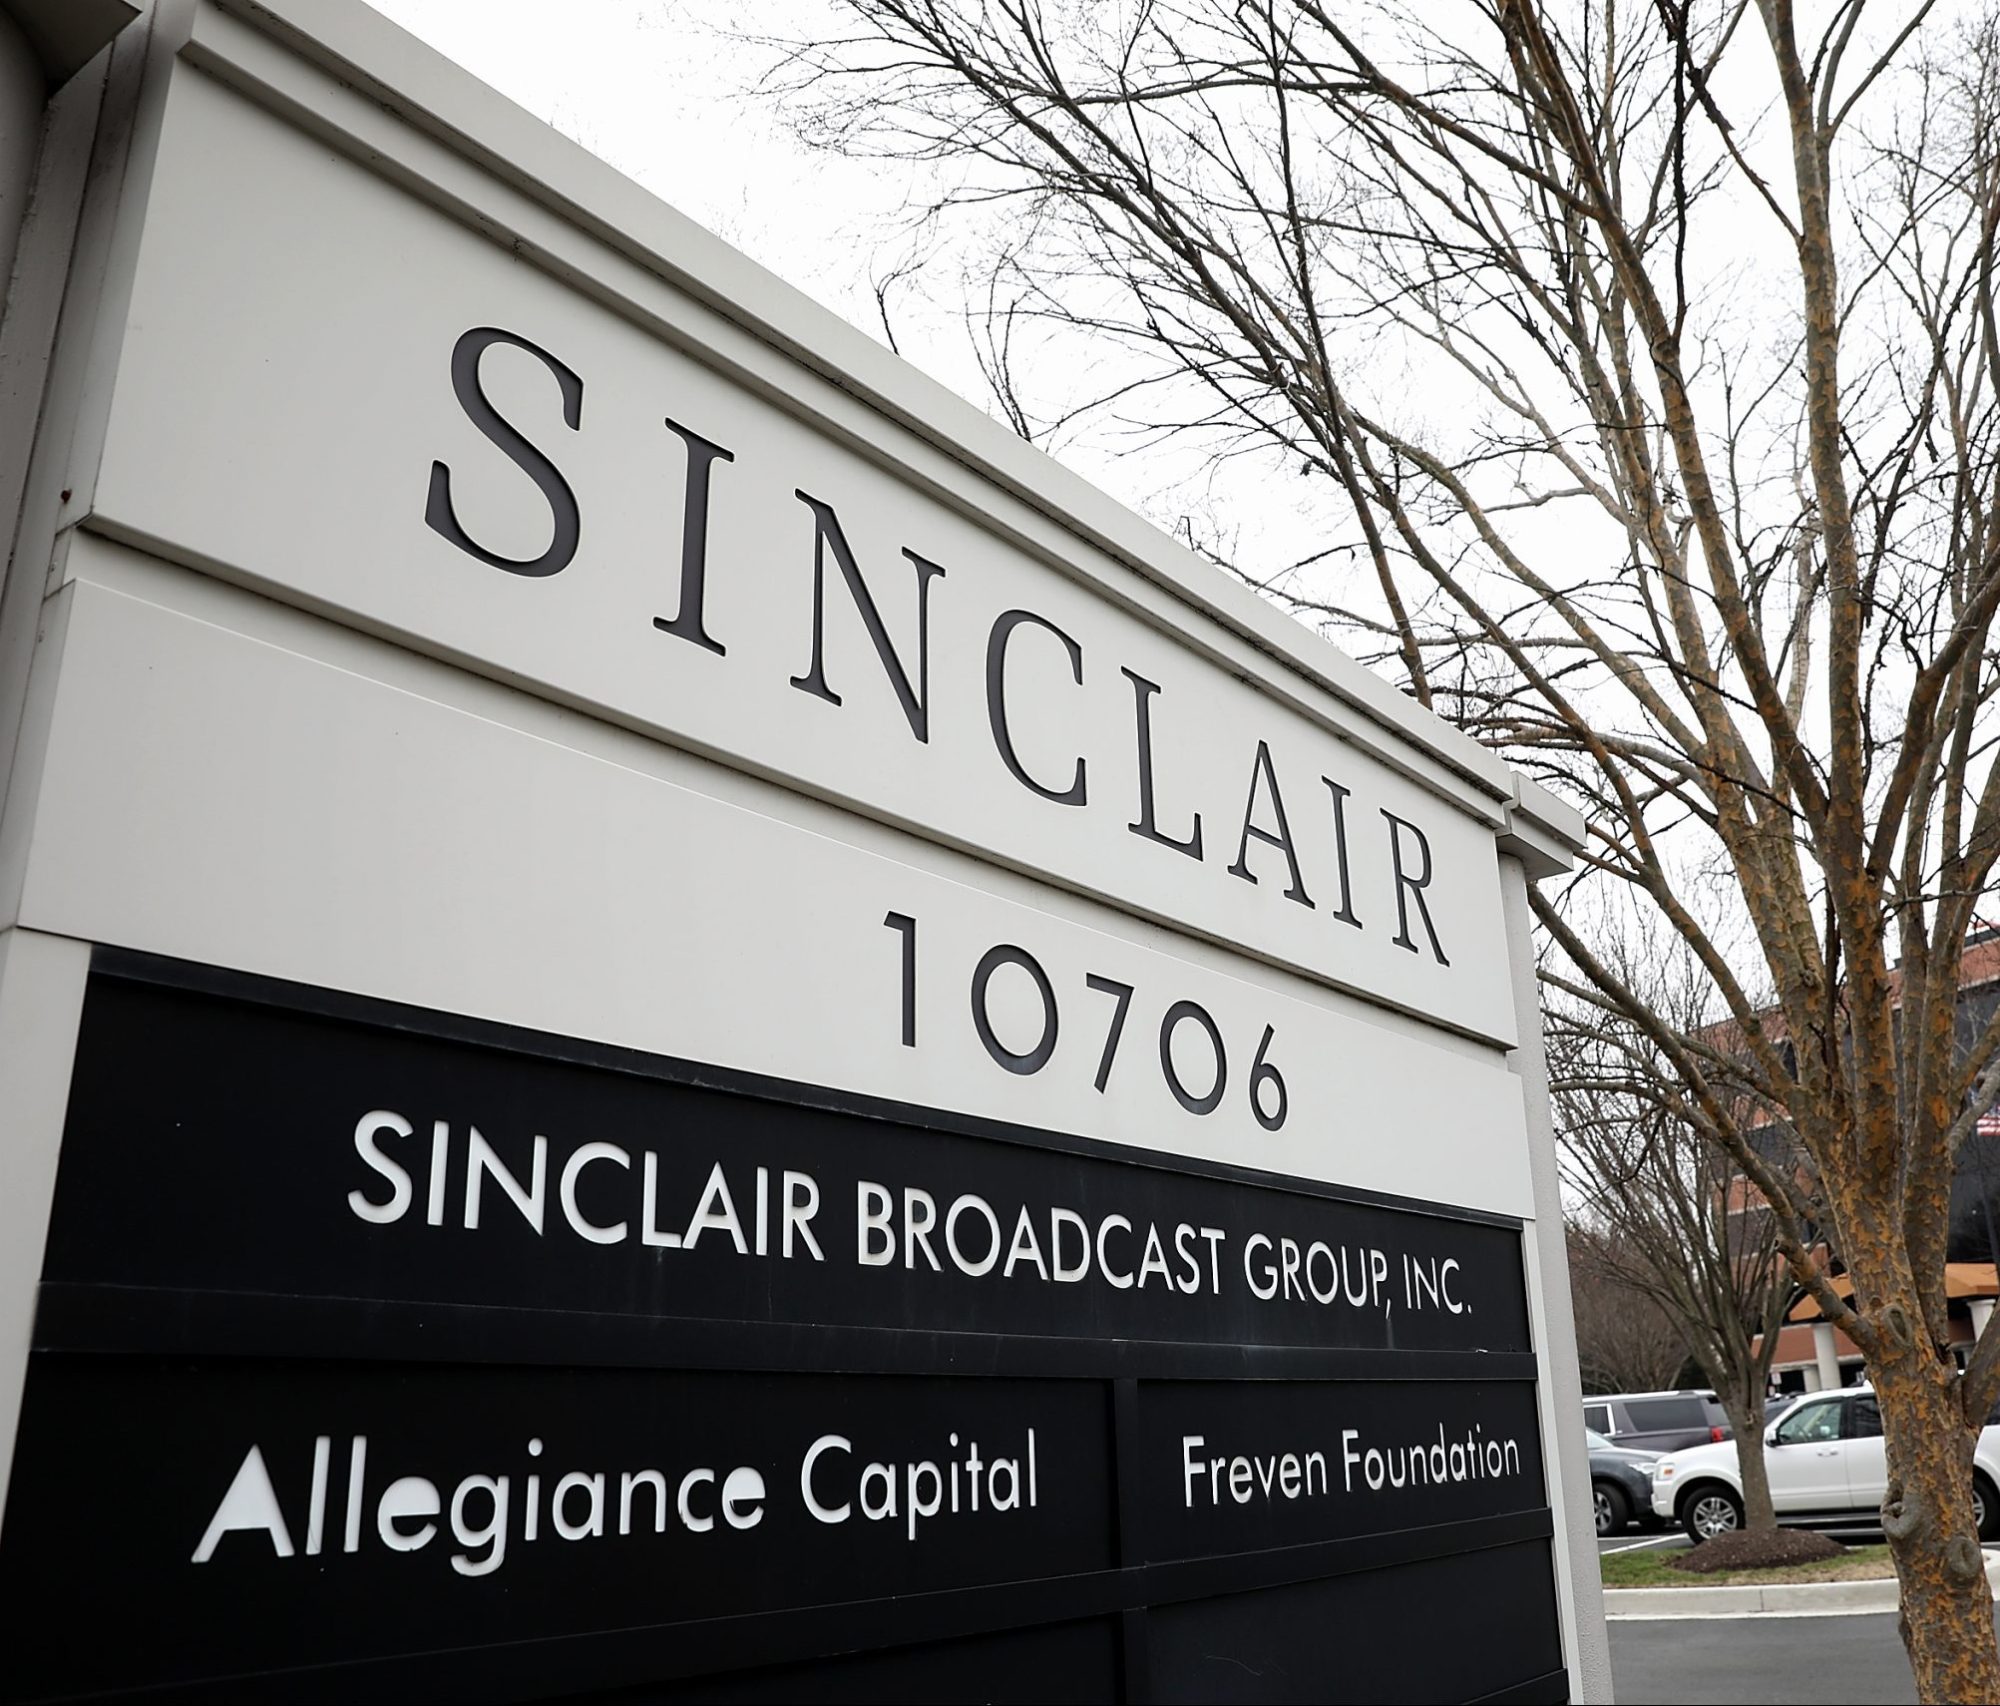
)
(1625, 1342)
(1674, 1219)
(1644, 355)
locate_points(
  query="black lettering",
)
(903, 922)
(996, 701)
(438, 512)
(1006, 954)
(1148, 824)
(826, 533)
(703, 454)
(1283, 837)
(1121, 993)
(1346, 912)
(1408, 886)
(1175, 1014)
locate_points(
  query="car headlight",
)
(1663, 1471)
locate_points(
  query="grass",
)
(1649, 1570)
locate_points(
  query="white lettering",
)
(480, 1161)
(917, 1228)
(593, 1523)
(649, 1210)
(1190, 1468)
(801, 1204)
(743, 1498)
(981, 1207)
(875, 1213)
(493, 1536)
(1024, 1248)
(716, 1212)
(366, 1129)
(630, 1483)
(689, 1481)
(1122, 1281)
(1269, 1289)
(250, 1502)
(412, 1496)
(1058, 1219)
(613, 1234)
(819, 1447)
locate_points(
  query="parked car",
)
(1824, 1460)
(1621, 1484)
(1657, 1421)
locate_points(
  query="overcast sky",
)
(655, 88)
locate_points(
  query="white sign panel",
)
(468, 453)
(822, 951)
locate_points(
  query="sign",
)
(602, 1344)
(561, 493)
(220, 1145)
(331, 1512)
(751, 930)
(365, 1515)
(678, 1024)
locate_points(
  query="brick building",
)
(1813, 1354)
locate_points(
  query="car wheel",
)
(1709, 1511)
(1612, 1513)
(1985, 1508)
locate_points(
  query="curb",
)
(1794, 1599)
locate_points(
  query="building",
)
(1812, 1353)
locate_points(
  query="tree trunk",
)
(1746, 1421)
(1947, 1610)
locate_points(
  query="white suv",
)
(1825, 1463)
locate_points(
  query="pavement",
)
(1758, 1660)
(1636, 1540)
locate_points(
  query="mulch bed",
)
(1756, 1551)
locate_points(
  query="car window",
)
(1864, 1418)
(1650, 1414)
(1811, 1422)
(1597, 1416)
(1596, 1441)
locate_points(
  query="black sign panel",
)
(1437, 1630)
(386, 1353)
(294, 1514)
(1056, 1662)
(1237, 1466)
(218, 1145)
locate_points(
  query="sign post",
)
(676, 1019)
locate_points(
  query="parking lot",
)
(1760, 1659)
(1671, 1540)
(1752, 1658)
(1636, 1539)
